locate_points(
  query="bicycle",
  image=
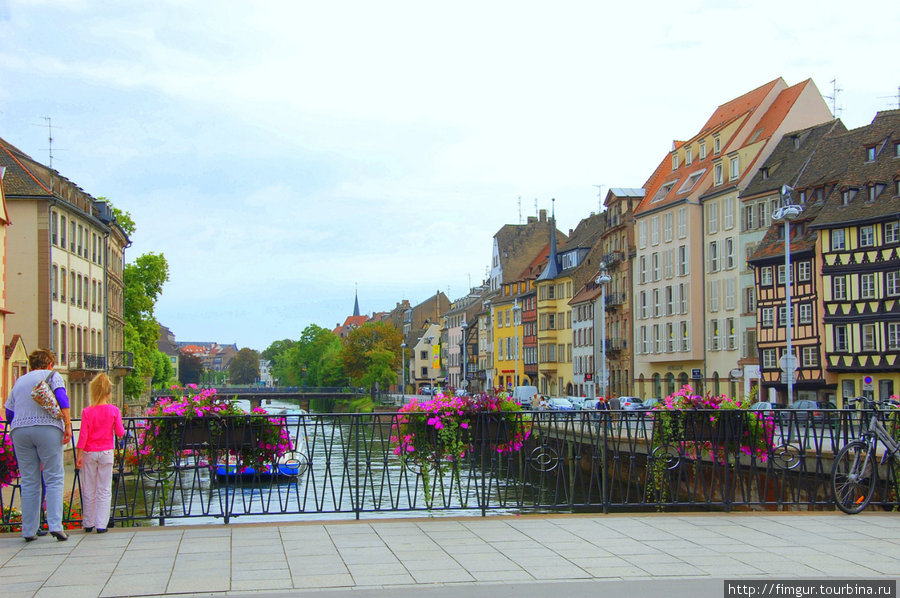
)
(855, 470)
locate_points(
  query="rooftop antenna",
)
(599, 198)
(49, 139)
(895, 97)
(520, 209)
(536, 212)
(835, 109)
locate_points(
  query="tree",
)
(303, 362)
(381, 370)
(162, 371)
(190, 368)
(277, 349)
(244, 367)
(144, 280)
(361, 351)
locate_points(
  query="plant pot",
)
(695, 426)
(216, 434)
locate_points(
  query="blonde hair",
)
(101, 389)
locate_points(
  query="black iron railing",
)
(121, 359)
(594, 461)
(87, 361)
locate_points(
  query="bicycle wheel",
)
(853, 477)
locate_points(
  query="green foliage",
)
(380, 370)
(311, 361)
(276, 349)
(365, 352)
(144, 280)
(163, 372)
(244, 367)
(190, 368)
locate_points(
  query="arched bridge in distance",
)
(261, 395)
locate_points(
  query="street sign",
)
(786, 375)
(696, 374)
(788, 362)
(737, 373)
(868, 383)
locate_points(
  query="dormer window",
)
(716, 145)
(674, 161)
(765, 174)
(870, 153)
(735, 168)
(663, 191)
(873, 192)
(703, 150)
(691, 181)
(688, 156)
(717, 176)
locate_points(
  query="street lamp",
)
(787, 213)
(403, 369)
(430, 341)
(517, 311)
(465, 381)
(603, 280)
(489, 351)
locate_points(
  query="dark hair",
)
(41, 359)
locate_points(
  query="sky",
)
(285, 155)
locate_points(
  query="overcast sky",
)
(280, 154)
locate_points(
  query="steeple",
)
(355, 302)
(552, 269)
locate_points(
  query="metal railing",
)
(571, 461)
(121, 359)
(87, 361)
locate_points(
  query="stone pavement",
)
(495, 556)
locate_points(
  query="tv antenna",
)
(49, 140)
(835, 109)
(894, 97)
(520, 209)
(599, 198)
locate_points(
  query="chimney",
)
(531, 219)
(543, 215)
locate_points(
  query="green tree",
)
(163, 372)
(144, 280)
(277, 349)
(244, 367)
(380, 371)
(190, 368)
(361, 352)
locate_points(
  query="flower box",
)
(700, 426)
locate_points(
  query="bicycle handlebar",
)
(870, 403)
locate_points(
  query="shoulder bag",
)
(43, 396)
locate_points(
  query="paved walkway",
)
(521, 557)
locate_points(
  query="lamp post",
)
(430, 341)
(787, 213)
(517, 311)
(603, 280)
(465, 381)
(489, 369)
(403, 369)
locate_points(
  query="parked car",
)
(560, 404)
(629, 403)
(648, 404)
(426, 390)
(808, 410)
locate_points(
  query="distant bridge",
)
(259, 395)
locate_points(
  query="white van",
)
(523, 395)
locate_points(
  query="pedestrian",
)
(94, 454)
(39, 437)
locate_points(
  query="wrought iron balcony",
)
(121, 360)
(87, 361)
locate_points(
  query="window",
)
(781, 274)
(714, 335)
(783, 316)
(717, 177)
(53, 281)
(729, 293)
(683, 296)
(674, 161)
(645, 347)
(669, 262)
(749, 300)
(866, 236)
(870, 154)
(659, 340)
(837, 240)
(685, 336)
(682, 223)
(643, 269)
(805, 313)
(767, 317)
(892, 232)
(713, 257)
(654, 261)
(729, 253)
(765, 276)
(670, 337)
(713, 295)
(712, 217)
(840, 338)
(642, 234)
(839, 288)
(644, 304)
(670, 300)
(769, 360)
(62, 231)
(668, 227)
(810, 357)
(892, 283)
(728, 213)
(703, 150)
(654, 230)
(893, 336)
(868, 337)
(735, 168)
(763, 209)
(804, 271)
(716, 145)
(688, 156)
(657, 304)
(748, 218)
(867, 286)
(731, 334)
(683, 269)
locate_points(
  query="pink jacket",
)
(98, 424)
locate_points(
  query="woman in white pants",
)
(94, 454)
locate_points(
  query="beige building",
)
(59, 245)
(687, 275)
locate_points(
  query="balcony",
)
(87, 362)
(612, 259)
(121, 360)
(615, 300)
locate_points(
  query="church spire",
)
(552, 269)
(356, 302)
